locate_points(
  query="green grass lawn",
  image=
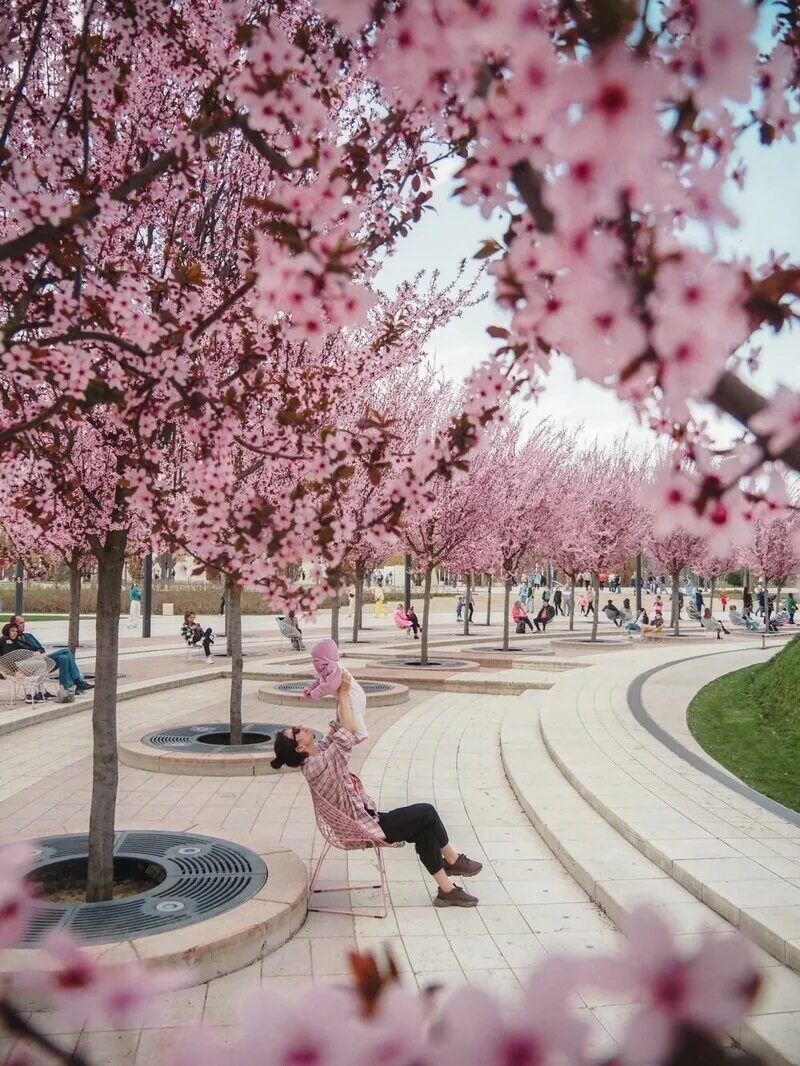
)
(750, 722)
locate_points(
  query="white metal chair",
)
(291, 633)
(25, 673)
(342, 832)
(713, 625)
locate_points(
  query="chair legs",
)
(380, 882)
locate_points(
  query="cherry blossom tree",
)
(772, 552)
(605, 136)
(671, 552)
(713, 566)
(569, 549)
(447, 525)
(522, 503)
(165, 232)
(607, 525)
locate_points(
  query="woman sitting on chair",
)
(194, 634)
(325, 766)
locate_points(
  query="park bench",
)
(713, 625)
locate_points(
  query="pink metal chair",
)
(344, 833)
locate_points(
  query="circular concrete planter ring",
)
(201, 949)
(193, 750)
(290, 694)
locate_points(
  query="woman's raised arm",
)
(344, 708)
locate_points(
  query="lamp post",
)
(407, 594)
(19, 588)
(147, 594)
(638, 584)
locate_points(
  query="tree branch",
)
(20, 89)
(17, 1025)
(529, 184)
(738, 400)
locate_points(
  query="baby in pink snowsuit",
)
(325, 657)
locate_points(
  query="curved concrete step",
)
(736, 854)
(616, 875)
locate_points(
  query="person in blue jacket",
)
(69, 674)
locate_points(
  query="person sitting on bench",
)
(544, 615)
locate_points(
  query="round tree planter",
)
(203, 750)
(602, 643)
(513, 650)
(434, 663)
(290, 694)
(219, 906)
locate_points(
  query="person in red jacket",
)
(519, 617)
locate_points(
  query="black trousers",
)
(206, 639)
(421, 826)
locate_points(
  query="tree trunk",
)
(466, 604)
(489, 602)
(596, 596)
(506, 602)
(105, 774)
(572, 603)
(711, 597)
(676, 603)
(426, 613)
(237, 662)
(335, 607)
(359, 584)
(228, 636)
(73, 627)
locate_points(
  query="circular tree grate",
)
(209, 739)
(515, 649)
(369, 687)
(446, 664)
(203, 877)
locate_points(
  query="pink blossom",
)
(710, 990)
(780, 421)
(82, 987)
(16, 896)
(538, 1028)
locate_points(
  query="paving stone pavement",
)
(442, 747)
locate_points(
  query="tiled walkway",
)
(443, 747)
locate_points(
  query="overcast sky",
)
(770, 220)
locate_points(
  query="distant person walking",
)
(135, 611)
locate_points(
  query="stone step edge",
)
(130, 691)
(512, 752)
(761, 934)
(425, 682)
